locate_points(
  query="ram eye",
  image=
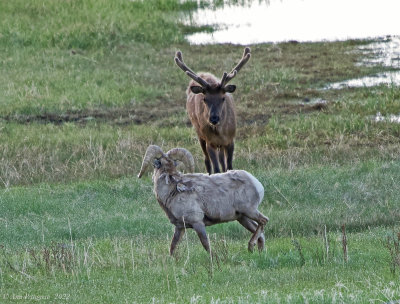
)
(223, 98)
(157, 163)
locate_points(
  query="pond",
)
(386, 53)
(390, 118)
(249, 22)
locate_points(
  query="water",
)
(311, 20)
(387, 78)
(300, 20)
(385, 52)
(391, 118)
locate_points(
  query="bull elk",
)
(211, 110)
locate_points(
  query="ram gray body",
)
(196, 200)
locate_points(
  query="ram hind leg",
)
(261, 220)
(179, 232)
(252, 227)
(256, 216)
(257, 234)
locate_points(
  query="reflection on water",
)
(391, 118)
(388, 78)
(301, 20)
(313, 101)
(248, 22)
(385, 52)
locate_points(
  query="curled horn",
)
(184, 156)
(152, 152)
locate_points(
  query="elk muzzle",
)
(214, 119)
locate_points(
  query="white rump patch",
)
(259, 187)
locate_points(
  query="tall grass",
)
(90, 24)
(299, 202)
(108, 241)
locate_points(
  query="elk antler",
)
(188, 71)
(228, 77)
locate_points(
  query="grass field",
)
(86, 86)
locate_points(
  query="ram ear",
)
(230, 88)
(197, 89)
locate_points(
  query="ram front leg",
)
(179, 232)
(200, 229)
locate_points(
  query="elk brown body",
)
(211, 110)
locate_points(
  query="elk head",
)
(214, 95)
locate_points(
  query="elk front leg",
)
(229, 155)
(214, 159)
(221, 155)
(179, 232)
(200, 229)
(207, 161)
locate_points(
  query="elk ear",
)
(197, 89)
(230, 88)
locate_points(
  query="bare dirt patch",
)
(118, 116)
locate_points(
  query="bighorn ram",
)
(212, 113)
(198, 200)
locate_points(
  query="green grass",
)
(304, 200)
(76, 239)
(86, 86)
(120, 269)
